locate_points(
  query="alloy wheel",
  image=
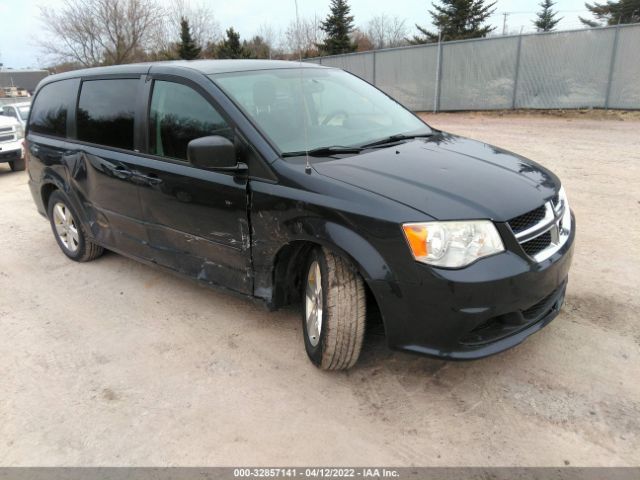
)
(66, 227)
(313, 304)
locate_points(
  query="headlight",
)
(452, 244)
(19, 132)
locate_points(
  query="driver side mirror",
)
(213, 153)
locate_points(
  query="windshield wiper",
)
(323, 151)
(337, 149)
(394, 139)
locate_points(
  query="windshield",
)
(24, 112)
(302, 109)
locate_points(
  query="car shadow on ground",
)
(5, 169)
(375, 352)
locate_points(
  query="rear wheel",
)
(334, 311)
(17, 165)
(68, 231)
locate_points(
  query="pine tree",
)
(187, 48)
(338, 27)
(257, 47)
(546, 21)
(457, 20)
(613, 13)
(231, 47)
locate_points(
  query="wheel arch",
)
(52, 181)
(46, 190)
(290, 259)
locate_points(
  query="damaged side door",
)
(197, 219)
(102, 162)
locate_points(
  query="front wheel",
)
(334, 311)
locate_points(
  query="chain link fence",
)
(590, 68)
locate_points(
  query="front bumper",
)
(477, 311)
(10, 152)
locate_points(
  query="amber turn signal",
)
(417, 238)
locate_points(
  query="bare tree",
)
(362, 41)
(204, 27)
(270, 37)
(256, 47)
(387, 32)
(303, 37)
(100, 32)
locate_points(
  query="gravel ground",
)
(116, 363)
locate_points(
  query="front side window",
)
(51, 106)
(305, 108)
(106, 111)
(179, 114)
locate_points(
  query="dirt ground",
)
(115, 363)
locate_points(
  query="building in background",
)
(19, 83)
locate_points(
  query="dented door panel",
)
(197, 223)
(105, 179)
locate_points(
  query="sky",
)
(21, 24)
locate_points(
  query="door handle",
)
(151, 179)
(122, 172)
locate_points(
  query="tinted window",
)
(178, 115)
(51, 106)
(105, 112)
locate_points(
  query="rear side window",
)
(51, 107)
(106, 111)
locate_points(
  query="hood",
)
(8, 121)
(449, 178)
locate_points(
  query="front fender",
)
(290, 217)
(278, 260)
(349, 244)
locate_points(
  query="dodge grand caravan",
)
(291, 182)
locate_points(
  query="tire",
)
(17, 165)
(68, 231)
(335, 342)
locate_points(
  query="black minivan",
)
(292, 182)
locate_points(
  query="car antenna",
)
(307, 167)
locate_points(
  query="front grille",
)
(6, 138)
(6, 129)
(528, 220)
(538, 244)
